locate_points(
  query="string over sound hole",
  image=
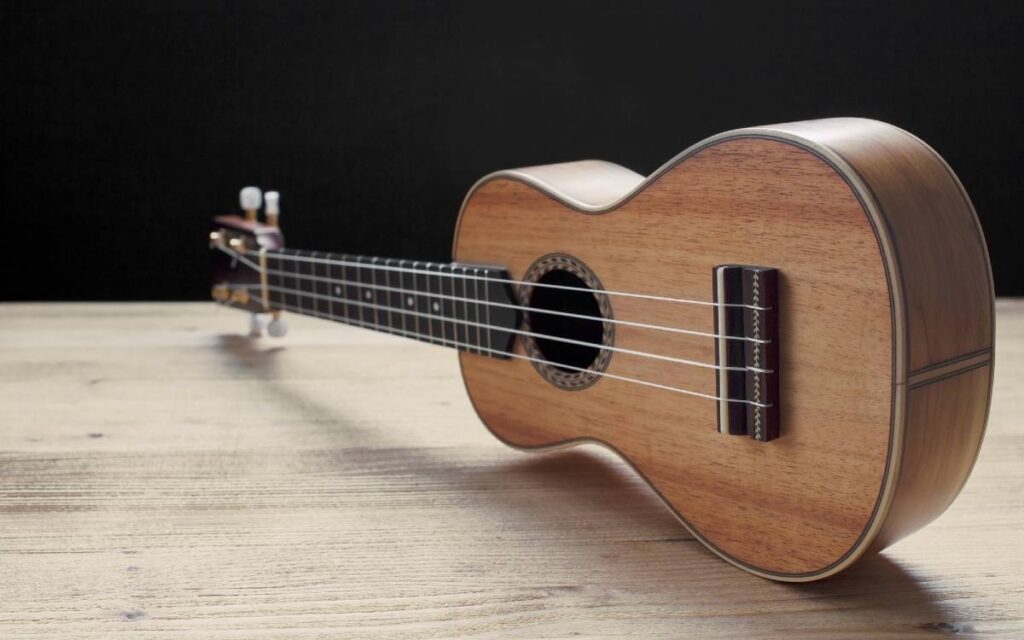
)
(566, 317)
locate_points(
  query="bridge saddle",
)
(747, 350)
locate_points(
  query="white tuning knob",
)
(255, 325)
(277, 327)
(250, 199)
(273, 209)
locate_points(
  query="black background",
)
(126, 125)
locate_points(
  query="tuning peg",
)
(250, 198)
(256, 325)
(277, 327)
(272, 209)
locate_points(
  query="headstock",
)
(237, 247)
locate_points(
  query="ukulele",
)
(786, 330)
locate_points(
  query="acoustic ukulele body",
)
(885, 332)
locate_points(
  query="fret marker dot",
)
(409, 301)
(368, 295)
(436, 306)
(337, 291)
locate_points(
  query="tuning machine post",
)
(240, 259)
(271, 207)
(250, 199)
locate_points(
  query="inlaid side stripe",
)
(949, 368)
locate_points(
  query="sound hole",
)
(566, 356)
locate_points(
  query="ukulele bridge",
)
(747, 350)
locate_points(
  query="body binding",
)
(886, 335)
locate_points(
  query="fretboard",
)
(468, 307)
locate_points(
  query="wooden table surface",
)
(164, 477)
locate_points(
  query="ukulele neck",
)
(468, 307)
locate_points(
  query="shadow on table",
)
(249, 355)
(590, 485)
(571, 496)
(256, 359)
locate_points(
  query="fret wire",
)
(307, 288)
(323, 288)
(313, 289)
(457, 329)
(465, 304)
(394, 299)
(447, 328)
(376, 297)
(314, 303)
(327, 286)
(392, 295)
(318, 288)
(340, 289)
(461, 332)
(415, 295)
(402, 301)
(435, 305)
(374, 314)
(406, 281)
(373, 280)
(271, 274)
(353, 292)
(302, 284)
(462, 311)
(428, 302)
(487, 312)
(299, 298)
(604, 374)
(423, 302)
(366, 315)
(389, 298)
(298, 290)
(295, 256)
(476, 311)
(270, 281)
(285, 296)
(385, 299)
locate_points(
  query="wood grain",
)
(948, 296)
(797, 505)
(834, 205)
(163, 477)
(941, 252)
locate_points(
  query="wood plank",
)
(162, 476)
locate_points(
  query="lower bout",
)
(937, 444)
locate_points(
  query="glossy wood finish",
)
(945, 424)
(835, 206)
(941, 253)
